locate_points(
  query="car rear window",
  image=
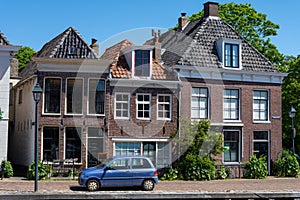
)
(140, 163)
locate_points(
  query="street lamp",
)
(37, 94)
(292, 114)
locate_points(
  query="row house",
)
(8, 77)
(129, 100)
(227, 81)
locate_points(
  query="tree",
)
(252, 26)
(24, 55)
(290, 97)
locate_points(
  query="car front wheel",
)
(93, 185)
(148, 184)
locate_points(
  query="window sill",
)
(231, 163)
(261, 122)
(54, 114)
(96, 115)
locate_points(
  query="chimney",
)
(14, 67)
(211, 9)
(182, 21)
(157, 45)
(95, 46)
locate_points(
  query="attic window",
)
(73, 50)
(229, 52)
(142, 63)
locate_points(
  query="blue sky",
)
(33, 23)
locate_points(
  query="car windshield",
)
(103, 163)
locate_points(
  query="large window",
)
(231, 55)
(96, 96)
(199, 104)
(122, 103)
(164, 107)
(142, 63)
(74, 96)
(231, 146)
(260, 105)
(231, 104)
(127, 148)
(143, 105)
(73, 143)
(50, 143)
(52, 95)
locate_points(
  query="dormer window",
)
(231, 55)
(142, 63)
(229, 52)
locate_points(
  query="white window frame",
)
(144, 103)
(122, 102)
(66, 97)
(44, 96)
(150, 64)
(238, 108)
(88, 99)
(65, 142)
(206, 109)
(164, 103)
(267, 120)
(42, 141)
(220, 44)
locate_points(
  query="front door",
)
(149, 150)
(261, 145)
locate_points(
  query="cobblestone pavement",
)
(229, 185)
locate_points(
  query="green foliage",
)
(171, 175)
(24, 55)
(43, 171)
(287, 166)
(222, 172)
(252, 26)
(8, 170)
(197, 168)
(256, 168)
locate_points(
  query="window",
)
(143, 106)
(260, 105)
(73, 143)
(50, 143)
(142, 63)
(127, 148)
(96, 96)
(199, 103)
(231, 146)
(95, 145)
(163, 155)
(164, 107)
(52, 95)
(74, 96)
(231, 55)
(231, 104)
(122, 102)
(20, 96)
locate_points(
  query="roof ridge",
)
(2, 36)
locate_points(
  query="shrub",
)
(286, 166)
(8, 170)
(195, 168)
(171, 175)
(256, 168)
(222, 173)
(43, 171)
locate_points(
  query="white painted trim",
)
(150, 105)
(140, 139)
(229, 74)
(146, 83)
(66, 90)
(115, 105)
(170, 104)
(60, 102)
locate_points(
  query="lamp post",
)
(37, 94)
(292, 114)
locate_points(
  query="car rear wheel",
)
(148, 184)
(93, 185)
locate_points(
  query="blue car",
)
(120, 171)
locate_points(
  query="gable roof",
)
(120, 68)
(69, 44)
(195, 46)
(3, 40)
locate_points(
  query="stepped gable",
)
(69, 44)
(195, 46)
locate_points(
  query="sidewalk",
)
(230, 188)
